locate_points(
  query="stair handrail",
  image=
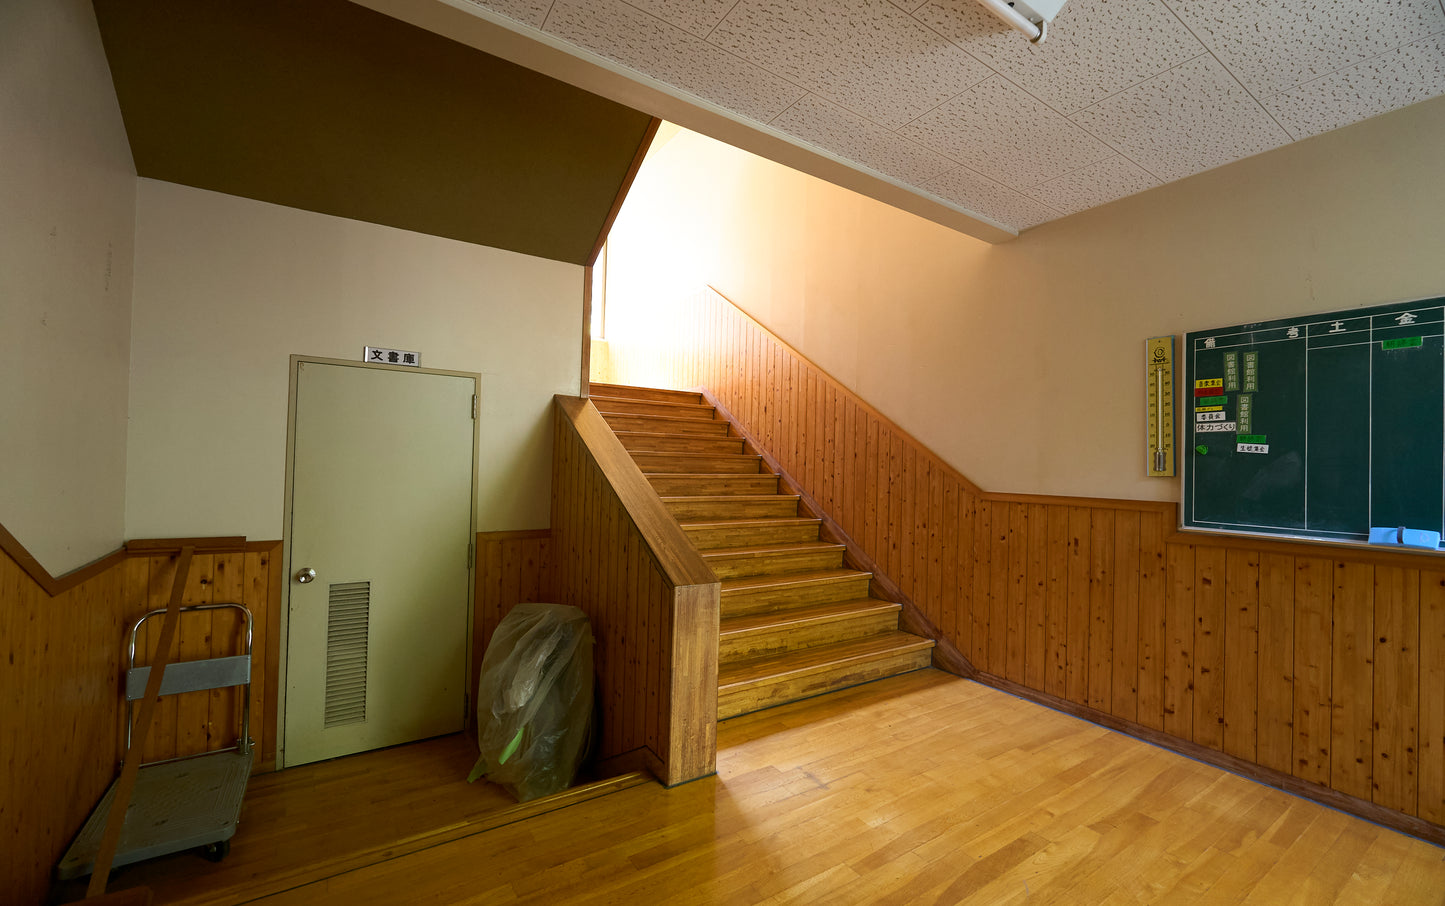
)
(666, 540)
(687, 705)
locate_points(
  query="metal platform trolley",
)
(181, 803)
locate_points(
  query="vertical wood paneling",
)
(61, 727)
(979, 608)
(1056, 605)
(965, 601)
(1076, 642)
(1241, 653)
(1036, 659)
(1351, 724)
(1313, 595)
(1101, 609)
(1272, 654)
(1152, 610)
(1275, 732)
(656, 681)
(1209, 604)
(1017, 613)
(1432, 697)
(1397, 684)
(1179, 642)
(59, 684)
(1125, 694)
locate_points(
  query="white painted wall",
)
(1021, 364)
(67, 213)
(226, 289)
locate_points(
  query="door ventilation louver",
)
(348, 618)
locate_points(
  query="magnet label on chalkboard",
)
(1251, 448)
(1216, 416)
(1206, 427)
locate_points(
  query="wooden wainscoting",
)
(1315, 667)
(510, 569)
(653, 602)
(61, 719)
(231, 571)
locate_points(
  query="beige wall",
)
(67, 208)
(226, 289)
(1021, 363)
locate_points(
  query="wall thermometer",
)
(1159, 372)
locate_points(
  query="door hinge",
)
(471, 554)
(474, 407)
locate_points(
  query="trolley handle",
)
(195, 675)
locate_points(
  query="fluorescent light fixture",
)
(1032, 18)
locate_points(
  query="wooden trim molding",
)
(52, 585)
(230, 544)
(643, 147)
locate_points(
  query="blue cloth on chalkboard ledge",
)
(1405, 537)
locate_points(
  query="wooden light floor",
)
(924, 788)
(318, 820)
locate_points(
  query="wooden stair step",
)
(661, 424)
(757, 635)
(774, 559)
(714, 463)
(718, 485)
(644, 441)
(695, 509)
(706, 536)
(613, 404)
(644, 393)
(756, 683)
(761, 594)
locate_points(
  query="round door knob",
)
(305, 574)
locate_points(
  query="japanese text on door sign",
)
(378, 355)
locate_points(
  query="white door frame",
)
(286, 578)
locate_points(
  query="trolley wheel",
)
(215, 852)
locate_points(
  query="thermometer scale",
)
(1159, 374)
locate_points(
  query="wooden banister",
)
(653, 601)
(668, 543)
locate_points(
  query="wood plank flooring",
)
(322, 819)
(923, 788)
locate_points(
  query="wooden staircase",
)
(796, 621)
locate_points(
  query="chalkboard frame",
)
(1361, 389)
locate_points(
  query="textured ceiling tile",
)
(696, 16)
(1095, 47)
(1413, 73)
(528, 12)
(1272, 45)
(633, 38)
(866, 55)
(1189, 119)
(1099, 183)
(1007, 135)
(848, 135)
(975, 192)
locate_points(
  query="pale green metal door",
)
(380, 542)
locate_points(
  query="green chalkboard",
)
(1319, 426)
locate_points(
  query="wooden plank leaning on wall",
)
(61, 729)
(1264, 657)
